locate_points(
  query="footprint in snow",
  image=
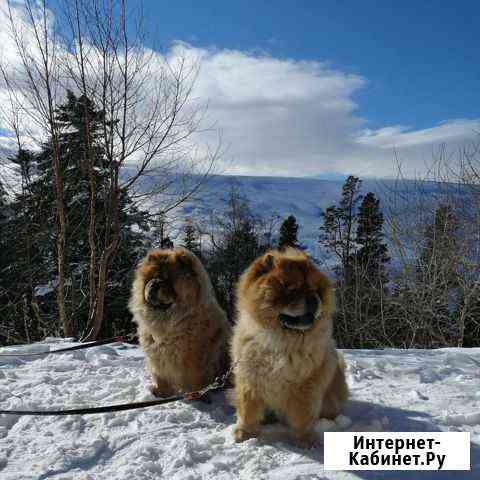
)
(470, 419)
(416, 395)
(429, 376)
(181, 416)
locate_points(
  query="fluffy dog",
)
(283, 353)
(181, 328)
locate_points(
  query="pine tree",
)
(78, 161)
(437, 278)
(191, 239)
(352, 231)
(368, 271)
(437, 259)
(338, 228)
(74, 135)
(3, 207)
(289, 233)
(237, 240)
(25, 265)
(471, 325)
(372, 255)
(160, 236)
(5, 258)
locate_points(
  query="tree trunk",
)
(96, 316)
(61, 235)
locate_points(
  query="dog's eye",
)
(292, 289)
(292, 293)
(184, 272)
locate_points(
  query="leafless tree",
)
(150, 123)
(433, 227)
(33, 84)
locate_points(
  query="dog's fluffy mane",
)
(299, 375)
(148, 268)
(184, 344)
(259, 278)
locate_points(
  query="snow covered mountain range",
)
(304, 197)
(268, 197)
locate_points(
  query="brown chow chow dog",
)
(283, 353)
(181, 328)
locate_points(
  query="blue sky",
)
(325, 87)
(420, 58)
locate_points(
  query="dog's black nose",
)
(153, 287)
(312, 304)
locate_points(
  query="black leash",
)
(93, 410)
(218, 384)
(69, 349)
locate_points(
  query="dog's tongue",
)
(302, 322)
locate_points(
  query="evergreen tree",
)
(288, 233)
(368, 270)
(160, 236)
(372, 255)
(338, 228)
(352, 231)
(238, 239)
(471, 325)
(25, 265)
(3, 211)
(437, 259)
(5, 243)
(191, 239)
(81, 155)
(437, 277)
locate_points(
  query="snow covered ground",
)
(392, 390)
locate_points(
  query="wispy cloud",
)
(399, 136)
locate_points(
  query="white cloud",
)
(278, 116)
(458, 130)
(289, 117)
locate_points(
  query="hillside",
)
(304, 197)
(282, 196)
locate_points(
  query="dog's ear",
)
(156, 257)
(151, 257)
(263, 265)
(185, 260)
(320, 282)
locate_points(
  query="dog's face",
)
(169, 280)
(285, 290)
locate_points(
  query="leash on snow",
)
(218, 384)
(83, 346)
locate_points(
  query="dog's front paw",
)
(306, 440)
(240, 434)
(160, 390)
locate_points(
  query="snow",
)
(42, 290)
(392, 390)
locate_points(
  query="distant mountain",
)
(269, 196)
(305, 198)
(335, 176)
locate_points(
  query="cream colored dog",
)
(283, 353)
(182, 329)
